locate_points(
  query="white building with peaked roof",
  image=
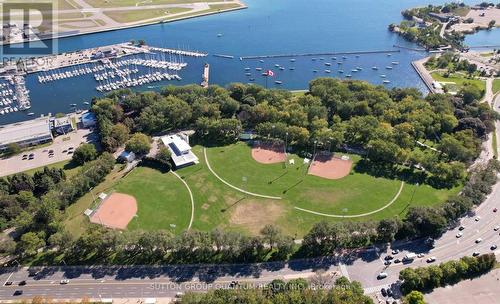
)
(180, 149)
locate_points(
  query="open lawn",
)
(496, 86)
(121, 3)
(134, 16)
(458, 81)
(162, 200)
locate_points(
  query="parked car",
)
(388, 258)
(459, 235)
(387, 263)
(475, 253)
(477, 218)
(496, 228)
(18, 292)
(64, 281)
(495, 210)
(493, 247)
(8, 283)
(382, 275)
(479, 240)
(22, 283)
(395, 251)
(383, 292)
(51, 151)
(389, 292)
(461, 228)
(431, 260)
(420, 255)
(397, 261)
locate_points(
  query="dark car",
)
(18, 292)
(395, 251)
(388, 258)
(70, 152)
(397, 261)
(8, 283)
(383, 292)
(389, 292)
(22, 283)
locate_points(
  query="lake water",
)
(266, 27)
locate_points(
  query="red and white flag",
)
(270, 73)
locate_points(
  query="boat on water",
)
(278, 82)
(354, 70)
(388, 67)
(386, 81)
(328, 71)
(292, 68)
(395, 62)
(258, 69)
(344, 57)
(321, 58)
(334, 58)
(247, 69)
(261, 61)
(341, 71)
(348, 75)
(389, 55)
(382, 76)
(292, 60)
(374, 68)
(282, 68)
(248, 74)
(252, 79)
(357, 56)
(86, 103)
(31, 114)
(277, 65)
(72, 104)
(264, 74)
(328, 64)
(313, 59)
(359, 68)
(339, 63)
(219, 35)
(315, 71)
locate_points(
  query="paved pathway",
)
(190, 195)
(234, 187)
(356, 215)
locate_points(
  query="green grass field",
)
(496, 86)
(161, 197)
(164, 200)
(458, 80)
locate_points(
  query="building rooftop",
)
(23, 131)
(180, 150)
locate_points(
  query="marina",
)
(112, 67)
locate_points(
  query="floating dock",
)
(224, 56)
(205, 76)
(320, 54)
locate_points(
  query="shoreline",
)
(179, 18)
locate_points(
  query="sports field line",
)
(190, 195)
(356, 215)
(234, 187)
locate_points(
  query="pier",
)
(205, 76)
(320, 54)
(409, 48)
(224, 56)
(422, 72)
(176, 52)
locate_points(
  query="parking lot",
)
(61, 149)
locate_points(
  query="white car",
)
(459, 235)
(477, 218)
(479, 240)
(420, 255)
(382, 275)
(431, 259)
(64, 282)
(496, 228)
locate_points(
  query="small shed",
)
(127, 156)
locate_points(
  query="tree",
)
(13, 149)
(139, 143)
(84, 153)
(163, 154)
(270, 233)
(29, 244)
(414, 297)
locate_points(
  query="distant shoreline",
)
(179, 18)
